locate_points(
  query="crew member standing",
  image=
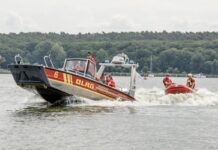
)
(92, 66)
(190, 81)
(167, 81)
(91, 58)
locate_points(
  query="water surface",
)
(153, 121)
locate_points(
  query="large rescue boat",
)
(177, 89)
(55, 84)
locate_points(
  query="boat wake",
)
(144, 97)
(157, 97)
(34, 104)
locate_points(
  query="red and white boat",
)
(54, 84)
(177, 89)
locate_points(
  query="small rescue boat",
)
(76, 78)
(177, 89)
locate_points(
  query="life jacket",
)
(103, 78)
(191, 83)
(167, 82)
(111, 83)
(92, 59)
(91, 70)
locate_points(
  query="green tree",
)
(173, 51)
(57, 54)
(2, 59)
(42, 49)
(8, 55)
(215, 66)
(208, 67)
(209, 54)
(197, 62)
(168, 58)
(101, 55)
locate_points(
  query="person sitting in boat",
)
(190, 81)
(110, 81)
(77, 67)
(167, 81)
(90, 57)
(104, 78)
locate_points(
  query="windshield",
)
(76, 65)
(81, 67)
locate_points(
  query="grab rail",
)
(49, 58)
(18, 59)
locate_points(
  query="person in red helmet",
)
(190, 81)
(90, 57)
(103, 78)
(110, 81)
(77, 67)
(167, 81)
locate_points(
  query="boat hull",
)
(55, 84)
(177, 89)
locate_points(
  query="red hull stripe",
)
(106, 96)
(75, 80)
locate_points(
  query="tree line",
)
(173, 52)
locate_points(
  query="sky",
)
(74, 16)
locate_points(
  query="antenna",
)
(151, 64)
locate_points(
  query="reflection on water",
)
(46, 109)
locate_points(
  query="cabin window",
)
(76, 66)
(81, 67)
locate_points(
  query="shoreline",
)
(163, 74)
(4, 71)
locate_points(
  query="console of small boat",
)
(77, 78)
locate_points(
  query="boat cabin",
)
(83, 67)
(87, 68)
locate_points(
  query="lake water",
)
(155, 121)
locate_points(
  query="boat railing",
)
(132, 86)
(125, 90)
(18, 59)
(80, 73)
(50, 61)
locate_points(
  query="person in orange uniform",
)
(190, 81)
(90, 57)
(103, 78)
(167, 81)
(110, 81)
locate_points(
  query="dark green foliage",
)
(172, 52)
(2, 59)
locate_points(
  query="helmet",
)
(189, 75)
